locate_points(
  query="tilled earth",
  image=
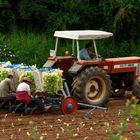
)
(54, 125)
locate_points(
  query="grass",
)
(32, 48)
(29, 48)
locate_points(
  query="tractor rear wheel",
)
(136, 87)
(92, 86)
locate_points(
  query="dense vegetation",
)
(27, 27)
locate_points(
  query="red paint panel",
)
(119, 70)
(64, 63)
(124, 60)
(51, 58)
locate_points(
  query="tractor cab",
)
(68, 62)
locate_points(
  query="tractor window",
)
(64, 47)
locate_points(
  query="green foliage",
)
(124, 17)
(121, 50)
(32, 13)
(32, 133)
(7, 17)
(120, 17)
(118, 134)
(71, 15)
(69, 132)
(6, 53)
(3, 74)
(53, 82)
(131, 112)
(32, 48)
(125, 49)
(32, 24)
(28, 48)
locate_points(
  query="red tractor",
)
(93, 81)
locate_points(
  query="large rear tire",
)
(92, 86)
(136, 87)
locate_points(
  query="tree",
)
(32, 14)
(123, 15)
(7, 18)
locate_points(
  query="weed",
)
(32, 133)
(131, 111)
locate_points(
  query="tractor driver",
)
(84, 53)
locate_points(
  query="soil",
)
(54, 125)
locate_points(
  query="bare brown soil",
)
(54, 125)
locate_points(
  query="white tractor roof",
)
(83, 34)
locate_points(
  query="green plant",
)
(32, 133)
(53, 82)
(118, 134)
(33, 48)
(69, 132)
(132, 111)
(3, 74)
(6, 53)
(29, 48)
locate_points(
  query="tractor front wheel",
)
(136, 87)
(92, 86)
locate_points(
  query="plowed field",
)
(53, 125)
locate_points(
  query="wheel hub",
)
(92, 89)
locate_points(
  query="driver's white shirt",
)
(23, 87)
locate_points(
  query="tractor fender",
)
(75, 68)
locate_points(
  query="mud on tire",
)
(92, 86)
(136, 87)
